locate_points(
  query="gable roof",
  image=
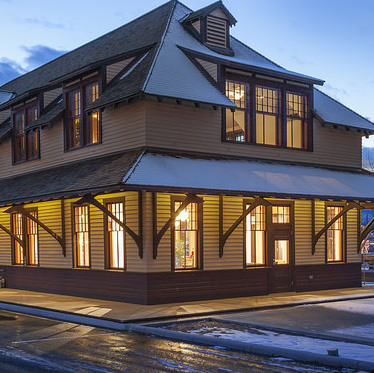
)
(203, 12)
(331, 111)
(146, 30)
(165, 49)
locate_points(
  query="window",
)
(115, 236)
(266, 115)
(185, 237)
(296, 120)
(236, 127)
(281, 214)
(335, 235)
(82, 129)
(255, 236)
(281, 251)
(23, 226)
(81, 239)
(25, 139)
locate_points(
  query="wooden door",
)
(281, 249)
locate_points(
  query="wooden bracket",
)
(362, 238)
(138, 238)
(224, 236)
(21, 210)
(190, 198)
(316, 237)
(5, 229)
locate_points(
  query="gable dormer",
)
(211, 25)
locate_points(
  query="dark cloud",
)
(40, 54)
(42, 22)
(9, 70)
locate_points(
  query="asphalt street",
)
(30, 344)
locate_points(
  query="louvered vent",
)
(216, 33)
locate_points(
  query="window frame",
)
(84, 116)
(344, 234)
(106, 202)
(24, 109)
(283, 88)
(25, 235)
(73, 236)
(266, 231)
(199, 256)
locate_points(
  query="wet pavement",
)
(29, 344)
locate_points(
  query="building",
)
(167, 161)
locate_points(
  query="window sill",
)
(265, 145)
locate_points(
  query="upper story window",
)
(25, 139)
(267, 115)
(82, 128)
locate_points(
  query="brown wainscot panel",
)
(183, 286)
(327, 276)
(110, 285)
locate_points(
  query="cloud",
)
(39, 55)
(334, 92)
(9, 70)
(42, 22)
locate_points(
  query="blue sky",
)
(328, 39)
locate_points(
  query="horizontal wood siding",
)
(114, 69)
(199, 285)
(210, 67)
(5, 240)
(122, 128)
(352, 236)
(199, 129)
(110, 285)
(303, 232)
(51, 95)
(327, 276)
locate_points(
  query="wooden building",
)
(167, 161)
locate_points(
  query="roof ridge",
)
(85, 44)
(253, 50)
(147, 78)
(338, 102)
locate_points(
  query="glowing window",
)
(335, 235)
(81, 236)
(255, 236)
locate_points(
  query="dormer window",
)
(25, 138)
(82, 128)
(211, 26)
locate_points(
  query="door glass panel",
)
(281, 251)
(281, 214)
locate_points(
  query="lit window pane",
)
(81, 236)
(255, 236)
(116, 236)
(235, 125)
(335, 234)
(281, 251)
(281, 214)
(186, 237)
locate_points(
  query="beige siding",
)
(4, 114)
(303, 232)
(114, 69)
(199, 129)
(123, 128)
(210, 67)
(233, 250)
(51, 95)
(197, 26)
(5, 240)
(352, 236)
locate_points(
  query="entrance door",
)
(281, 248)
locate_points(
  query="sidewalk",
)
(60, 306)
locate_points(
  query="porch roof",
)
(246, 177)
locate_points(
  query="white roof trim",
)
(156, 170)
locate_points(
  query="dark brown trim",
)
(106, 233)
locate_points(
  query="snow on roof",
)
(244, 176)
(332, 111)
